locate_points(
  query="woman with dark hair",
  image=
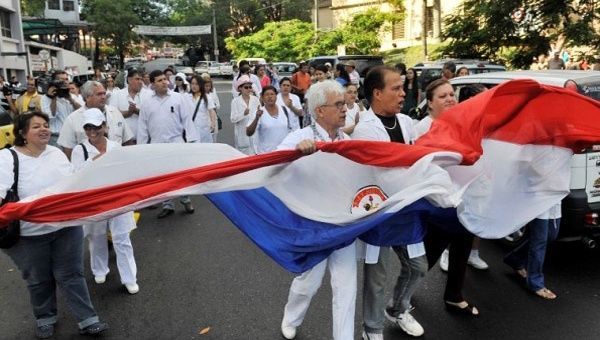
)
(291, 101)
(181, 83)
(321, 72)
(411, 89)
(203, 110)
(47, 256)
(270, 124)
(440, 97)
(341, 75)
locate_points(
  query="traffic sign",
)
(44, 55)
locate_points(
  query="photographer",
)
(28, 101)
(5, 93)
(58, 103)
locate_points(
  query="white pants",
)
(342, 267)
(124, 251)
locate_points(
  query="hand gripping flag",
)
(298, 209)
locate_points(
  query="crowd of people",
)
(66, 129)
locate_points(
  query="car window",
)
(589, 88)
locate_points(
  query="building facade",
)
(13, 52)
(333, 13)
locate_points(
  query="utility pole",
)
(214, 27)
(316, 16)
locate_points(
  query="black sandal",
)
(469, 309)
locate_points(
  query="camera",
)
(62, 90)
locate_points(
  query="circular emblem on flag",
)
(368, 199)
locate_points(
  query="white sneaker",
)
(132, 288)
(407, 323)
(100, 279)
(444, 260)
(288, 332)
(372, 336)
(476, 262)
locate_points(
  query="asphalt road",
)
(198, 272)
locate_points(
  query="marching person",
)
(96, 145)
(204, 115)
(326, 103)
(48, 257)
(72, 132)
(164, 117)
(384, 122)
(211, 93)
(352, 73)
(129, 99)
(270, 123)
(241, 106)
(58, 108)
(353, 109)
(291, 102)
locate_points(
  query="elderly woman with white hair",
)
(326, 105)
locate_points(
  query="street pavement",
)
(199, 274)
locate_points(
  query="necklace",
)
(393, 127)
(318, 137)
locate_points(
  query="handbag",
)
(9, 236)
(219, 123)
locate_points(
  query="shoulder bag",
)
(9, 235)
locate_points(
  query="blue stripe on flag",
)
(298, 243)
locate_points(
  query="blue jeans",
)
(530, 253)
(48, 260)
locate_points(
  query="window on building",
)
(54, 4)
(398, 30)
(5, 23)
(68, 6)
(429, 14)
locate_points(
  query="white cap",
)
(93, 116)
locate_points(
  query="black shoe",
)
(44, 332)
(94, 329)
(189, 209)
(165, 212)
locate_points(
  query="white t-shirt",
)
(35, 175)
(294, 119)
(121, 99)
(351, 115)
(202, 120)
(270, 131)
(72, 132)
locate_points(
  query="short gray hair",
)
(87, 90)
(317, 94)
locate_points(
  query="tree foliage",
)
(32, 8)
(516, 31)
(296, 40)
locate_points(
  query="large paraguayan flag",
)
(501, 158)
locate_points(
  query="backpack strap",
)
(196, 110)
(15, 171)
(86, 155)
(288, 117)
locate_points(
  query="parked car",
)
(253, 61)
(160, 64)
(433, 70)
(226, 69)
(202, 67)
(214, 69)
(363, 62)
(285, 69)
(581, 208)
(187, 70)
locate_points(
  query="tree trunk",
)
(97, 52)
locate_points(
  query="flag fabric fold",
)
(298, 209)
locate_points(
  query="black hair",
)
(450, 66)
(56, 73)
(401, 67)
(132, 72)
(343, 73)
(414, 81)
(267, 88)
(155, 74)
(284, 79)
(469, 91)
(200, 82)
(322, 68)
(375, 80)
(22, 125)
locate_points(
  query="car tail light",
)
(591, 218)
